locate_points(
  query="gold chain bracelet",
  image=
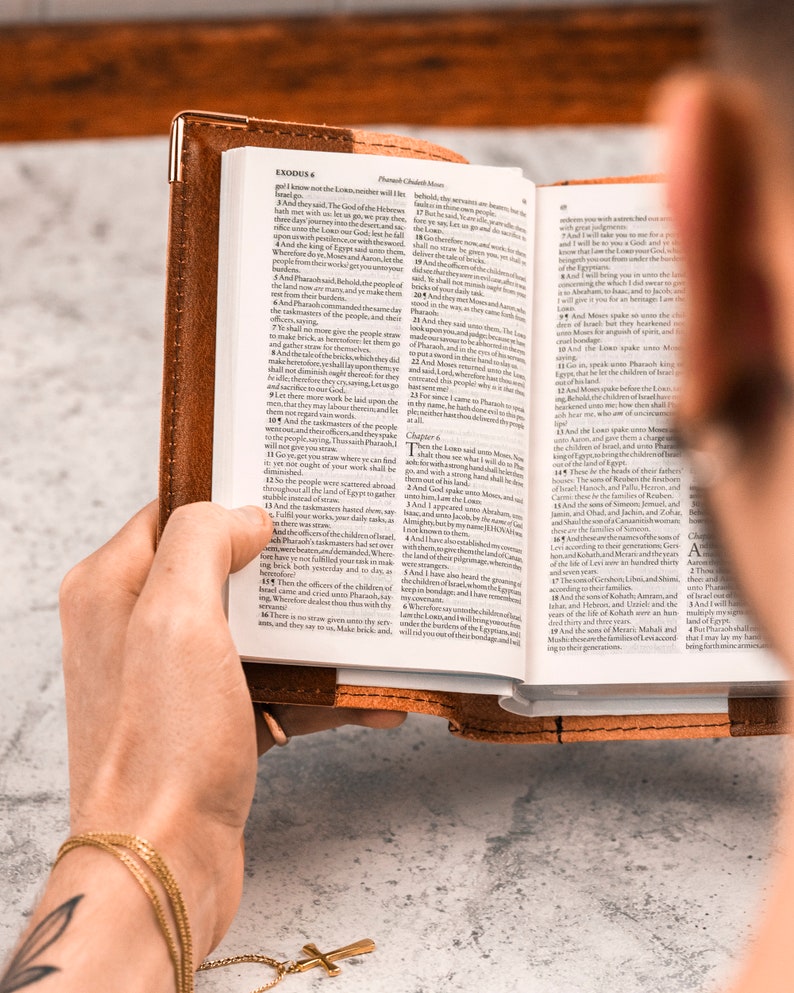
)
(121, 845)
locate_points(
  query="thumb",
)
(201, 544)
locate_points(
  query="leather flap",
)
(298, 684)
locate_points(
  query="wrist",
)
(204, 856)
(92, 913)
(208, 896)
(209, 871)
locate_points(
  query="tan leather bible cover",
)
(197, 141)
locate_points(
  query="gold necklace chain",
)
(282, 968)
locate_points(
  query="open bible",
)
(451, 389)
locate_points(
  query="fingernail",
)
(256, 516)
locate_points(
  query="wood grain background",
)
(509, 68)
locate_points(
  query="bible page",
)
(372, 395)
(626, 584)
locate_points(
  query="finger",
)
(708, 161)
(201, 544)
(97, 599)
(297, 721)
(98, 595)
(120, 566)
(382, 719)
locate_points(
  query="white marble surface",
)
(622, 867)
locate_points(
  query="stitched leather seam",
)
(648, 727)
(314, 135)
(446, 707)
(405, 148)
(284, 132)
(290, 691)
(337, 139)
(497, 729)
(177, 345)
(344, 139)
(506, 733)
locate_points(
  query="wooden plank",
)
(508, 68)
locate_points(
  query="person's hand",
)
(162, 733)
(731, 198)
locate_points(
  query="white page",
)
(395, 473)
(626, 588)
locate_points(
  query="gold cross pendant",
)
(327, 959)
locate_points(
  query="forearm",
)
(94, 930)
(769, 964)
(162, 744)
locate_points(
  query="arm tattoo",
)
(21, 970)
